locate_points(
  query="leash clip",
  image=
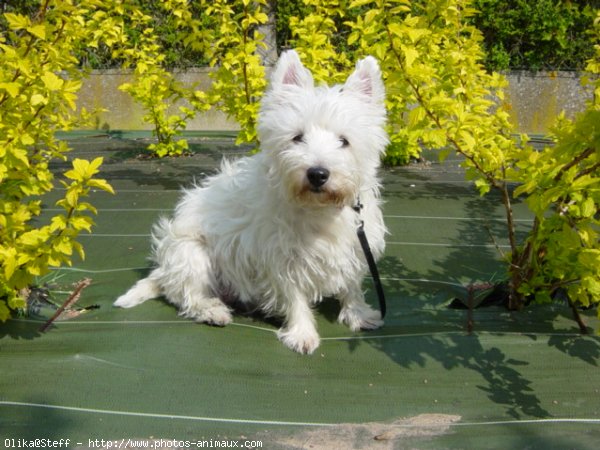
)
(358, 206)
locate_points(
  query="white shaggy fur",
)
(277, 230)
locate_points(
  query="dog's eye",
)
(299, 138)
(344, 142)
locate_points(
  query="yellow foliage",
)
(39, 81)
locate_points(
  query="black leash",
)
(364, 243)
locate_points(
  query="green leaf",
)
(543, 297)
(588, 207)
(11, 87)
(52, 81)
(71, 198)
(467, 139)
(590, 258)
(482, 186)
(101, 184)
(395, 28)
(32, 238)
(38, 31)
(359, 3)
(38, 99)
(10, 262)
(416, 33)
(64, 246)
(4, 311)
(410, 55)
(82, 223)
(58, 223)
(79, 249)
(17, 21)
(416, 115)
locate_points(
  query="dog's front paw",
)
(211, 311)
(218, 315)
(300, 339)
(361, 318)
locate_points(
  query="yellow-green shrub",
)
(153, 86)
(39, 80)
(314, 39)
(239, 74)
(561, 184)
(440, 96)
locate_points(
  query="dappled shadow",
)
(118, 147)
(173, 173)
(474, 247)
(468, 252)
(414, 303)
(585, 348)
(20, 329)
(129, 160)
(165, 175)
(420, 307)
(121, 165)
(504, 384)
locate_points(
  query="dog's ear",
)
(290, 71)
(366, 80)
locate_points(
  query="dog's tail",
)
(140, 292)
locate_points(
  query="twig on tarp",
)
(577, 317)
(471, 290)
(470, 321)
(80, 286)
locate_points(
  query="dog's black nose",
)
(317, 176)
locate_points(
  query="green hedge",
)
(518, 34)
(541, 34)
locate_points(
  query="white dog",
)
(277, 230)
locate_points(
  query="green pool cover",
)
(113, 378)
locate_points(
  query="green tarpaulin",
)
(520, 380)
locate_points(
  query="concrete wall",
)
(101, 91)
(534, 100)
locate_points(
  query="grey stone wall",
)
(533, 99)
(118, 111)
(536, 99)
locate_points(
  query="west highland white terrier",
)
(277, 230)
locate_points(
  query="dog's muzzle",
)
(317, 177)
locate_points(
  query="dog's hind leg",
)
(184, 277)
(143, 290)
(188, 282)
